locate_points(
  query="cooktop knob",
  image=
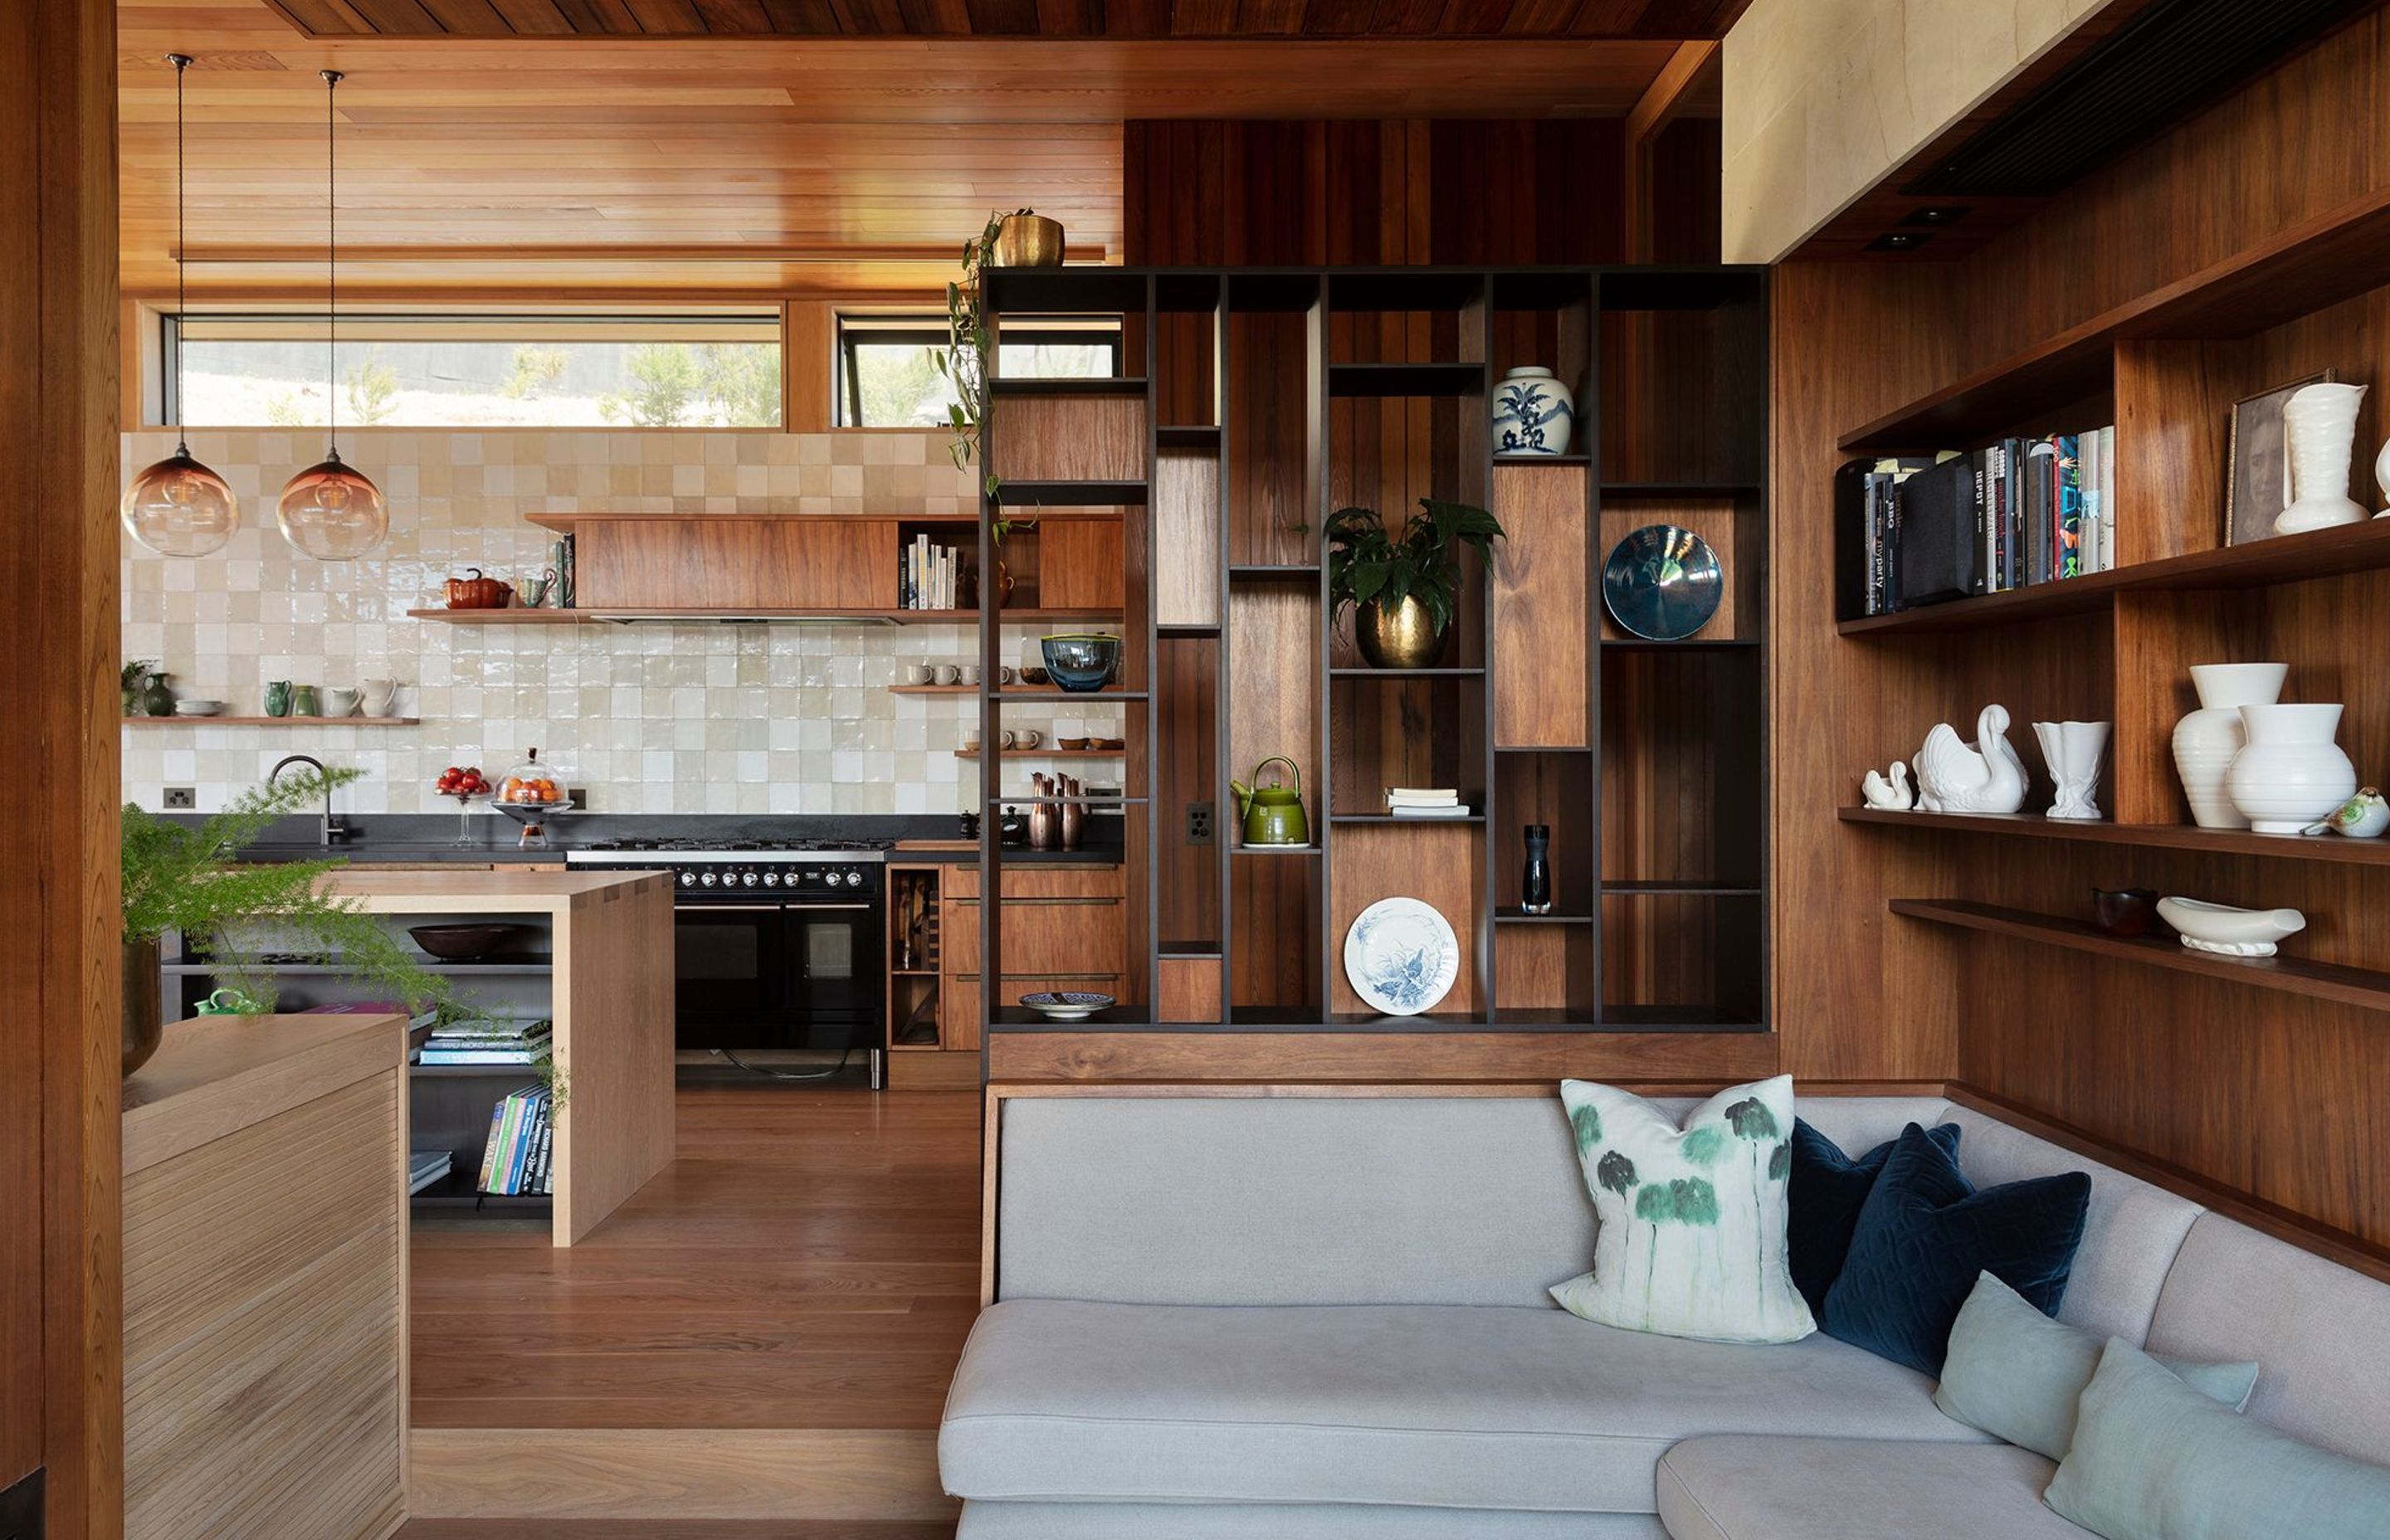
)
(771, 880)
(854, 878)
(747, 879)
(708, 879)
(688, 879)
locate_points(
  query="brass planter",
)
(144, 1026)
(1027, 241)
(1400, 638)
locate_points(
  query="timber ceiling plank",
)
(995, 18)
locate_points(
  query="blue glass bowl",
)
(1081, 663)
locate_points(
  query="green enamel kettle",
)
(1273, 813)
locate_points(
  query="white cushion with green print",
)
(1691, 1214)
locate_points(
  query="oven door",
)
(839, 979)
(733, 977)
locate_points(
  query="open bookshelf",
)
(1253, 403)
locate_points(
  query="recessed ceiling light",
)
(1899, 240)
(1938, 215)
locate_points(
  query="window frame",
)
(447, 325)
(929, 330)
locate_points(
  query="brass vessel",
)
(1027, 241)
(1400, 638)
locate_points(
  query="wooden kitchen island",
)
(610, 935)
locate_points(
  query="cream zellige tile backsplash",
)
(651, 719)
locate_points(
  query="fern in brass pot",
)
(1403, 588)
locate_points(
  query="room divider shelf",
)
(2283, 558)
(2348, 986)
(2182, 837)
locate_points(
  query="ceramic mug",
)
(1009, 739)
(969, 674)
(1004, 676)
(971, 743)
(534, 591)
(226, 1002)
(378, 696)
(340, 703)
(949, 674)
(1031, 737)
(918, 674)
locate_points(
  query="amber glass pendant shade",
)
(332, 511)
(180, 507)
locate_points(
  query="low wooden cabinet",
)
(1066, 928)
(731, 562)
(266, 1281)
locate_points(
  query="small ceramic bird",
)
(1982, 777)
(1890, 792)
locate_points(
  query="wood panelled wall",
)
(2273, 1096)
(61, 1365)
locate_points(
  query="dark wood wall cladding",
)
(2269, 1095)
(1501, 192)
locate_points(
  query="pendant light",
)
(179, 506)
(329, 510)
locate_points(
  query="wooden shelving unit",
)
(2178, 837)
(2348, 986)
(1267, 397)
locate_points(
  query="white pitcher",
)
(2205, 741)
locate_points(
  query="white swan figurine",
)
(1982, 777)
(1888, 792)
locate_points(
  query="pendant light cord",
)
(331, 267)
(181, 257)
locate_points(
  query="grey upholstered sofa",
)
(1323, 1317)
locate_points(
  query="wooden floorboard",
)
(809, 1261)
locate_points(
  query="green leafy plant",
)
(1368, 564)
(964, 359)
(184, 877)
(372, 388)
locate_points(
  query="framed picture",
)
(2257, 477)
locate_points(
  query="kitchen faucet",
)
(330, 832)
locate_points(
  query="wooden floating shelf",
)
(2333, 257)
(1628, 491)
(1069, 494)
(1048, 753)
(272, 721)
(1521, 917)
(2264, 563)
(1274, 850)
(1188, 437)
(2348, 986)
(1580, 461)
(1406, 673)
(1463, 821)
(2184, 837)
(501, 617)
(1022, 692)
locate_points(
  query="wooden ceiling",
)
(1320, 18)
(705, 169)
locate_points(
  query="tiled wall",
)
(649, 718)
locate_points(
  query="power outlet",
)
(182, 797)
(1199, 822)
(21, 1516)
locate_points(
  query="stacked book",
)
(425, 1167)
(2020, 513)
(482, 1040)
(517, 1161)
(1415, 802)
(930, 577)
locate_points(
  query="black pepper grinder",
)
(1535, 878)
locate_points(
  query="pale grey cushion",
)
(2153, 1459)
(2319, 1332)
(2014, 1372)
(2130, 1233)
(1315, 1199)
(1438, 1406)
(1287, 1522)
(1742, 1488)
(1290, 1201)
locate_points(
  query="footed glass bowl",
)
(1081, 663)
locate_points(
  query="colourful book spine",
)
(2070, 506)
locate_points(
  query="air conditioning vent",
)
(2172, 59)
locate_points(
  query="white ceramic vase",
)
(1534, 413)
(2321, 423)
(2072, 750)
(2205, 741)
(2291, 774)
(2381, 478)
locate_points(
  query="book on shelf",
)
(521, 1126)
(1918, 531)
(484, 1041)
(930, 576)
(425, 1167)
(1412, 802)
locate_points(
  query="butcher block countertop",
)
(494, 892)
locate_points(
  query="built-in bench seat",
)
(1227, 1316)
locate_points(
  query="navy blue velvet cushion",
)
(1924, 1234)
(1827, 1192)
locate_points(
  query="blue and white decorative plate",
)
(1401, 956)
(1066, 1005)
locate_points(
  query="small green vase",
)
(302, 701)
(155, 699)
(278, 698)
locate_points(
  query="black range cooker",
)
(776, 944)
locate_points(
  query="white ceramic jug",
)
(2205, 741)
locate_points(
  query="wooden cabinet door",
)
(1079, 564)
(835, 564)
(735, 563)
